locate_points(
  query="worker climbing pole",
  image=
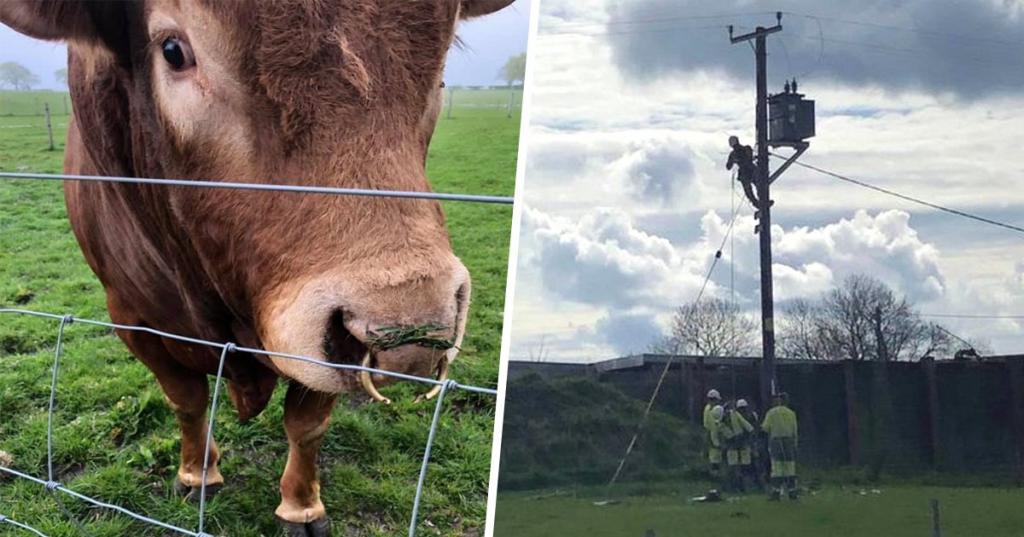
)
(791, 121)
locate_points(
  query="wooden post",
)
(685, 378)
(511, 97)
(852, 423)
(702, 387)
(936, 527)
(49, 124)
(931, 382)
(806, 414)
(1015, 368)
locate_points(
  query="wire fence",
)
(52, 486)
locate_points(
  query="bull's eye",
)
(177, 54)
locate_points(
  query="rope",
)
(668, 362)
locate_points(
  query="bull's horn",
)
(367, 382)
(442, 377)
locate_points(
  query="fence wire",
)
(52, 486)
(11, 522)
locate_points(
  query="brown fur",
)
(330, 92)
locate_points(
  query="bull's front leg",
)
(306, 416)
(188, 395)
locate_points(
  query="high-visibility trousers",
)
(714, 455)
(782, 451)
(739, 456)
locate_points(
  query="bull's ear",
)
(476, 8)
(58, 19)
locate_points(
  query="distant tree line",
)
(860, 319)
(17, 77)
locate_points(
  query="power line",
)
(922, 31)
(970, 316)
(659, 18)
(635, 31)
(908, 198)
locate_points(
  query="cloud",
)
(629, 333)
(604, 259)
(655, 171)
(970, 49)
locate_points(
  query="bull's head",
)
(341, 93)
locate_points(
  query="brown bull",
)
(339, 93)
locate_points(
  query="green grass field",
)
(895, 511)
(30, 103)
(116, 440)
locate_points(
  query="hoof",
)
(317, 528)
(191, 494)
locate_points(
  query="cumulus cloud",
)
(655, 171)
(629, 333)
(982, 58)
(603, 259)
(631, 278)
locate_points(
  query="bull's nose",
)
(339, 345)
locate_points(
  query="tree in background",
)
(15, 76)
(711, 327)
(61, 75)
(513, 71)
(861, 319)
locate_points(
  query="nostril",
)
(339, 345)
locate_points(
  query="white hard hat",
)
(713, 394)
(742, 403)
(717, 412)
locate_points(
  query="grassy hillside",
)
(116, 439)
(573, 432)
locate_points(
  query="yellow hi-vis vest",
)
(709, 420)
(736, 424)
(780, 422)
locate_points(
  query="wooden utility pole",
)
(764, 200)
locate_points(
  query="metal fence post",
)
(936, 527)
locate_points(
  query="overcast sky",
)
(488, 43)
(627, 197)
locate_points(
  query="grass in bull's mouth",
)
(115, 438)
(426, 335)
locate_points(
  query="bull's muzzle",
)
(366, 379)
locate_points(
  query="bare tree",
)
(711, 327)
(861, 319)
(17, 76)
(61, 75)
(801, 331)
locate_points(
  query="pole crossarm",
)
(753, 35)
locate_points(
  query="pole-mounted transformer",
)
(790, 118)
